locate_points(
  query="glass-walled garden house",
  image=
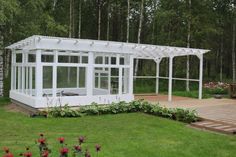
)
(49, 71)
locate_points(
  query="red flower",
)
(27, 154)
(61, 139)
(42, 140)
(64, 151)
(98, 147)
(87, 154)
(8, 155)
(78, 148)
(81, 139)
(45, 153)
(6, 150)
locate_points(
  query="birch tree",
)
(99, 19)
(127, 20)
(79, 22)
(139, 34)
(188, 42)
(70, 22)
(108, 19)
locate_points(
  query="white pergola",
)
(48, 71)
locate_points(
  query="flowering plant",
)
(27, 153)
(7, 152)
(43, 148)
(63, 151)
(216, 87)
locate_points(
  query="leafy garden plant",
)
(178, 114)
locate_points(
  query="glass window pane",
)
(99, 60)
(47, 58)
(114, 71)
(122, 60)
(68, 59)
(113, 60)
(66, 77)
(82, 77)
(47, 77)
(19, 58)
(85, 59)
(31, 58)
(114, 85)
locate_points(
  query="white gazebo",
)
(49, 71)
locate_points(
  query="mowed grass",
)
(122, 135)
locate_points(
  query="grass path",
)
(123, 135)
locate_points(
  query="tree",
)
(188, 42)
(139, 33)
(127, 19)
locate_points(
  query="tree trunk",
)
(127, 27)
(108, 19)
(70, 25)
(188, 43)
(99, 19)
(233, 54)
(79, 23)
(54, 4)
(221, 58)
(139, 34)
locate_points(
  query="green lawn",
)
(123, 135)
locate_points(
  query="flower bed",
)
(44, 149)
(216, 87)
(178, 114)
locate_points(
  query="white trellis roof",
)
(141, 51)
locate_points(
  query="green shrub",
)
(183, 115)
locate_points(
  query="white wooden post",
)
(77, 78)
(157, 74)
(30, 80)
(200, 76)
(120, 81)
(90, 75)
(23, 73)
(13, 69)
(170, 78)
(99, 79)
(54, 75)
(38, 75)
(26, 75)
(120, 74)
(131, 74)
(18, 78)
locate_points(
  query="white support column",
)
(90, 75)
(170, 78)
(30, 80)
(23, 73)
(54, 75)
(77, 77)
(120, 81)
(120, 75)
(131, 74)
(26, 75)
(99, 79)
(13, 69)
(200, 76)
(19, 78)
(38, 75)
(157, 74)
